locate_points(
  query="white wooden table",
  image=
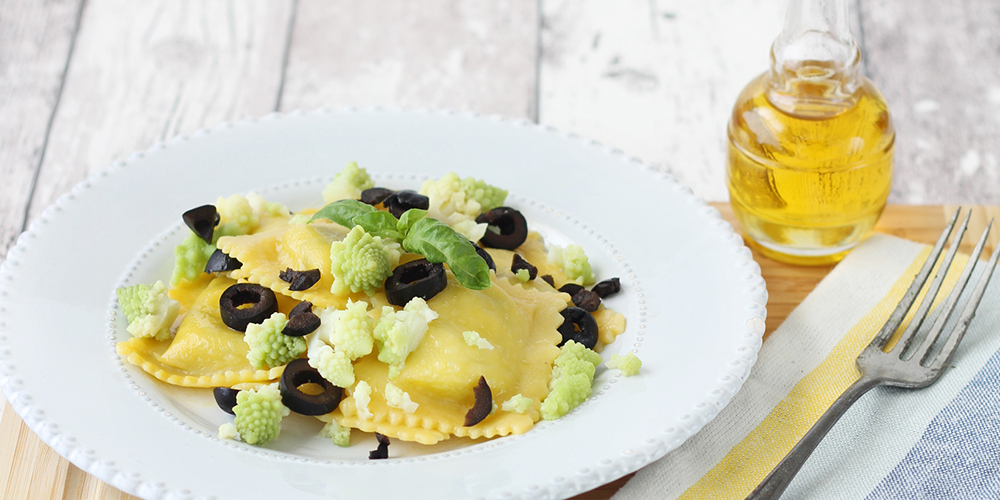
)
(84, 83)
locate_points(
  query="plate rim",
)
(608, 470)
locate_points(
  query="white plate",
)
(693, 298)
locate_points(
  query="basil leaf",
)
(439, 243)
(409, 218)
(343, 212)
(378, 224)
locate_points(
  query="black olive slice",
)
(220, 262)
(486, 256)
(374, 196)
(202, 220)
(301, 324)
(301, 307)
(382, 452)
(299, 280)
(401, 201)
(507, 228)
(607, 287)
(570, 288)
(225, 397)
(483, 405)
(587, 300)
(417, 278)
(548, 279)
(261, 301)
(578, 326)
(518, 263)
(297, 373)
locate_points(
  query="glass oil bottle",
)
(810, 143)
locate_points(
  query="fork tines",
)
(955, 336)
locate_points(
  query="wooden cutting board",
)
(30, 469)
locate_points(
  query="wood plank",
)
(146, 71)
(656, 79)
(465, 55)
(35, 42)
(938, 66)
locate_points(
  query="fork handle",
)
(775, 483)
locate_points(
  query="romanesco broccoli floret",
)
(334, 366)
(454, 200)
(340, 435)
(262, 207)
(628, 364)
(150, 312)
(349, 330)
(397, 398)
(475, 340)
(190, 258)
(573, 262)
(362, 396)
(228, 431)
(572, 378)
(359, 263)
(398, 333)
(348, 184)
(470, 229)
(259, 413)
(269, 347)
(518, 404)
(236, 215)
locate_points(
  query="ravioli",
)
(519, 321)
(204, 352)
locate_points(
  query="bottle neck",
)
(815, 62)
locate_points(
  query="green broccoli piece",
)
(518, 404)
(349, 331)
(259, 413)
(340, 435)
(454, 200)
(269, 347)
(475, 340)
(150, 312)
(398, 333)
(397, 398)
(348, 184)
(334, 366)
(572, 378)
(359, 263)
(628, 364)
(573, 262)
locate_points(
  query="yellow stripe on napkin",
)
(749, 462)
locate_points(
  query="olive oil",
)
(810, 151)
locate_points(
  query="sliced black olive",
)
(570, 288)
(202, 220)
(298, 373)
(578, 326)
(374, 196)
(225, 397)
(548, 279)
(587, 300)
(220, 262)
(483, 405)
(486, 256)
(401, 201)
(301, 324)
(382, 451)
(519, 263)
(299, 280)
(417, 278)
(301, 307)
(261, 304)
(507, 228)
(607, 287)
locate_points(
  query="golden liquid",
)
(808, 186)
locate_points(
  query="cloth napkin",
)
(939, 442)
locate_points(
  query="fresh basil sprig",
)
(433, 239)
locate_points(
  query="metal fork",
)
(900, 366)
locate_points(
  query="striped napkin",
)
(938, 442)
